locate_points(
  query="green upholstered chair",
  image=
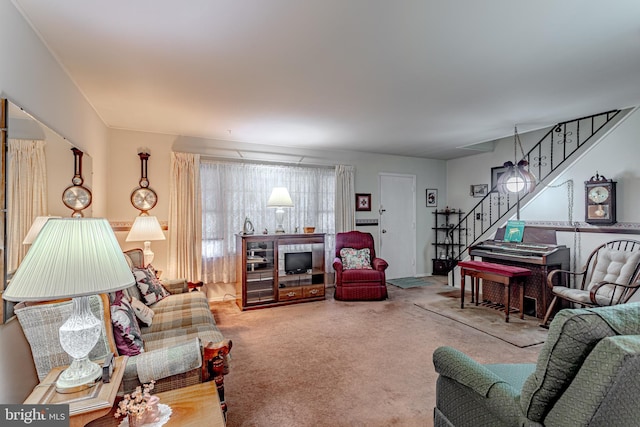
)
(586, 375)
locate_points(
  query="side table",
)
(193, 406)
(85, 405)
(194, 286)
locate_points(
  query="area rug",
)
(413, 282)
(518, 332)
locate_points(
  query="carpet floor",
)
(340, 363)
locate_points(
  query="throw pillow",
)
(150, 286)
(143, 313)
(126, 330)
(355, 259)
(152, 270)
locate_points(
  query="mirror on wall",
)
(3, 235)
(55, 157)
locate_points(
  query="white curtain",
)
(26, 194)
(232, 192)
(345, 199)
(185, 216)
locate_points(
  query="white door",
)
(398, 224)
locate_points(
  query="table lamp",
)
(145, 229)
(73, 258)
(279, 199)
(36, 226)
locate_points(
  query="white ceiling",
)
(407, 77)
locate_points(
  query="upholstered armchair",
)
(610, 276)
(360, 275)
(586, 375)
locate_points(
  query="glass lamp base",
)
(82, 374)
(279, 221)
(78, 335)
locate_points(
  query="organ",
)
(538, 251)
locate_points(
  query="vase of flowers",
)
(135, 405)
(135, 421)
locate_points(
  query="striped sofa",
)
(182, 346)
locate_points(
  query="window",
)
(232, 192)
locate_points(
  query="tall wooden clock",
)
(600, 200)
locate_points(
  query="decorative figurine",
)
(248, 227)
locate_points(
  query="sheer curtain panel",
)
(26, 194)
(185, 216)
(345, 199)
(232, 192)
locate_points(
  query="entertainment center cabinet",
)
(262, 280)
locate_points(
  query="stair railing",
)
(558, 145)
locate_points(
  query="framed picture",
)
(496, 173)
(432, 197)
(363, 202)
(479, 190)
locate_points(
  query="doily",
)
(165, 414)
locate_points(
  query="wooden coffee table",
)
(196, 406)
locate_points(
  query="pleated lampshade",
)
(36, 226)
(280, 198)
(71, 257)
(145, 228)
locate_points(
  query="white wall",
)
(476, 169)
(124, 177)
(126, 173)
(31, 78)
(615, 156)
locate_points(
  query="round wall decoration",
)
(144, 198)
(77, 197)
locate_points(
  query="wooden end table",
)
(193, 406)
(85, 405)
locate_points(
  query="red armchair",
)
(359, 284)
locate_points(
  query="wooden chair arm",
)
(593, 292)
(564, 273)
(215, 366)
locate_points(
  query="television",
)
(297, 262)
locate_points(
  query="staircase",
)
(546, 160)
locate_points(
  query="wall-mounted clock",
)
(144, 198)
(77, 197)
(600, 200)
